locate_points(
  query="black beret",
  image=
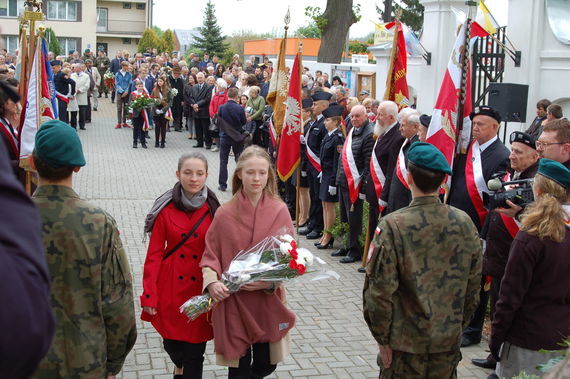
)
(523, 138)
(307, 103)
(425, 120)
(321, 95)
(333, 110)
(485, 110)
(56, 62)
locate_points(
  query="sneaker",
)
(214, 149)
(125, 125)
(222, 188)
(118, 126)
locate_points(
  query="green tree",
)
(309, 31)
(53, 43)
(236, 42)
(210, 39)
(158, 31)
(357, 47)
(149, 39)
(412, 13)
(167, 41)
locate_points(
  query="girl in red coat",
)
(219, 98)
(180, 219)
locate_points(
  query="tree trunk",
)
(387, 15)
(339, 18)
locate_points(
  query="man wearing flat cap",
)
(501, 226)
(422, 276)
(91, 283)
(485, 156)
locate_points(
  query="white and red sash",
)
(401, 169)
(353, 177)
(272, 132)
(475, 181)
(377, 175)
(314, 158)
(168, 113)
(10, 136)
(511, 224)
(62, 97)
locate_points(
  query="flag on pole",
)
(443, 126)
(21, 64)
(38, 107)
(486, 19)
(277, 94)
(289, 154)
(49, 79)
(396, 83)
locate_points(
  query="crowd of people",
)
(428, 280)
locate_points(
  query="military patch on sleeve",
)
(378, 231)
(371, 250)
(339, 149)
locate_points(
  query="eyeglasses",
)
(546, 144)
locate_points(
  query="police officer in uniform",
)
(313, 139)
(91, 283)
(422, 278)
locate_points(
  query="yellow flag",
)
(277, 95)
(486, 19)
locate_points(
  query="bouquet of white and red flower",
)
(109, 80)
(274, 259)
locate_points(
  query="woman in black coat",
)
(330, 157)
(186, 108)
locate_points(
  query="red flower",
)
(293, 264)
(301, 269)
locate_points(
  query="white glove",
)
(362, 196)
(320, 176)
(382, 203)
(158, 111)
(303, 141)
(332, 190)
(303, 173)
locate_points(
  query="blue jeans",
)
(226, 143)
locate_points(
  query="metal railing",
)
(488, 66)
(122, 27)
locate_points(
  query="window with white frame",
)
(10, 43)
(67, 44)
(62, 10)
(102, 19)
(11, 8)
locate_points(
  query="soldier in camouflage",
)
(422, 277)
(102, 63)
(91, 283)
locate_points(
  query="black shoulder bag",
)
(183, 241)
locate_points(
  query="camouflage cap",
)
(58, 145)
(555, 171)
(426, 155)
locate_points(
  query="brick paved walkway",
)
(331, 339)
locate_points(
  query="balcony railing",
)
(114, 26)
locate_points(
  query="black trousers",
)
(177, 117)
(160, 128)
(82, 113)
(187, 355)
(259, 368)
(62, 110)
(353, 213)
(88, 110)
(202, 131)
(138, 133)
(316, 222)
(227, 144)
(474, 330)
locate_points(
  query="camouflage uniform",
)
(102, 64)
(91, 285)
(422, 287)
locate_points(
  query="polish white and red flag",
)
(442, 131)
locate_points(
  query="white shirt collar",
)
(319, 117)
(487, 144)
(331, 132)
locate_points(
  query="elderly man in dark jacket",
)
(501, 228)
(361, 143)
(200, 103)
(177, 82)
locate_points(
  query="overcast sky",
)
(264, 16)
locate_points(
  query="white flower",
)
(243, 278)
(286, 238)
(285, 247)
(305, 257)
(174, 92)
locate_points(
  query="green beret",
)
(555, 171)
(58, 145)
(426, 155)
